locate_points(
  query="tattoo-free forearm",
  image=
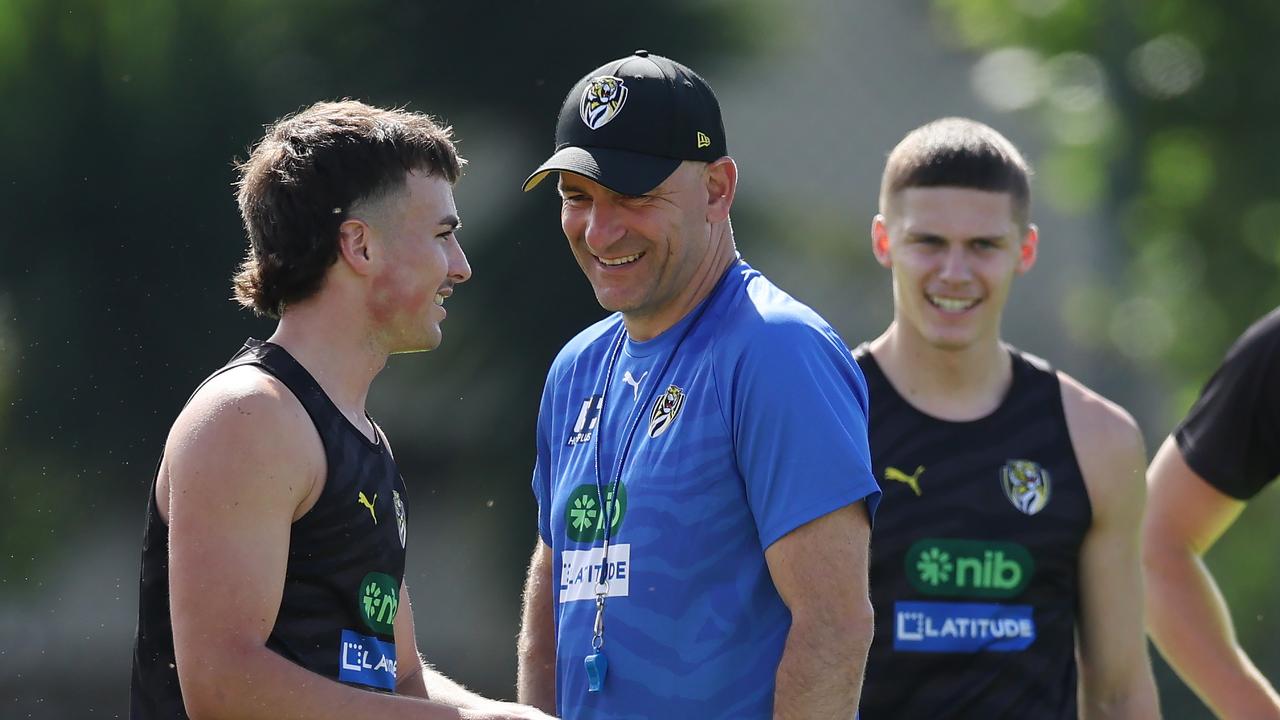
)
(820, 674)
(1190, 623)
(536, 671)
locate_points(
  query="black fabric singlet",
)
(974, 555)
(345, 566)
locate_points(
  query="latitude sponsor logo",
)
(938, 627)
(366, 661)
(581, 571)
(975, 568)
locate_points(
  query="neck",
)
(333, 344)
(646, 326)
(950, 384)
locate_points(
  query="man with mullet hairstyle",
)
(1007, 545)
(274, 551)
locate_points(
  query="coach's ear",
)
(880, 240)
(1029, 248)
(721, 186)
(354, 246)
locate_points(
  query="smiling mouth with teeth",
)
(439, 299)
(951, 304)
(615, 262)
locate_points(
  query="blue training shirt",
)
(758, 426)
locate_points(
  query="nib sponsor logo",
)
(975, 568)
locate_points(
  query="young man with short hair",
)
(1007, 545)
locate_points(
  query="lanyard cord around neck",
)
(602, 582)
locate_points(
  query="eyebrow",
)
(452, 221)
(933, 235)
(568, 186)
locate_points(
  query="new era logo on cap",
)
(629, 124)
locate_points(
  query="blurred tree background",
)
(1149, 122)
(1158, 117)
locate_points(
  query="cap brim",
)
(622, 171)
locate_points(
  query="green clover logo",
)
(583, 513)
(935, 566)
(584, 522)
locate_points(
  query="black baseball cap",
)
(630, 123)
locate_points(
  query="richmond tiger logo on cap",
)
(602, 100)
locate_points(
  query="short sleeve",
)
(1231, 436)
(798, 412)
(542, 465)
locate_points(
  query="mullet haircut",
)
(303, 178)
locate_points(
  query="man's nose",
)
(459, 268)
(955, 265)
(604, 227)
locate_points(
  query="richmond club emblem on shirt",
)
(602, 100)
(665, 410)
(402, 522)
(1026, 484)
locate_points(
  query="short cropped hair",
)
(302, 179)
(958, 152)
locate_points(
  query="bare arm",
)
(422, 680)
(536, 677)
(411, 668)
(1115, 670)
(241, 462)
(1186, 614)
(820, 570)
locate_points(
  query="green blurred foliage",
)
(1186, 169)
(122, 122)
(1183, 161)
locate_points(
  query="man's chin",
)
(950, 342)
(417, 345)
(411, 350)
(612, 302)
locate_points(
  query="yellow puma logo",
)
(369, 504)
(912, 481)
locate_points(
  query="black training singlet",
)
(974, 555)
(346, 562)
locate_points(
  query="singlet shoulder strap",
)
(870, 367)
(280, 364)
(1031, 369)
